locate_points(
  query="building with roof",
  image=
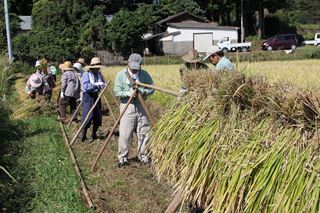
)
(177, 34)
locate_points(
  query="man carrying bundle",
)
(217, 58)
(70, 90)
(92, 83)
(135, 117)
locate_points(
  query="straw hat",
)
(212, 50)
(67, 65)
(81, 61)
(95, 63)
(192, 56)
(35, 80)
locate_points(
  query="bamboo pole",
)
(111, 133)
(157, 88)
(88, 115)
(74, 114)
(109, 107)
(74, 162)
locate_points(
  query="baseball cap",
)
(135, 61)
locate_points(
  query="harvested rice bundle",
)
(236, 143)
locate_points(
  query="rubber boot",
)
(84, 134)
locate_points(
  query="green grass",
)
(46, 181)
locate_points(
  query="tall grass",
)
(239, 144)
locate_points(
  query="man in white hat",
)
(217, 58)
(70, 90)
(135, 117)
(92, 83)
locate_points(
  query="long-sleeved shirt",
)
(88, 80)
(224, 64)
(123, 88)
(70, 84)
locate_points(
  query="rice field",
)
(302, 73)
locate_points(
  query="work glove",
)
(130, 93)
(61, 95)
(99, 83)
(141, 91)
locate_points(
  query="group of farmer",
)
(80, 87)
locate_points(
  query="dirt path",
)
(129, 189)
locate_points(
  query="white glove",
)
(61, 95)
(100, 83)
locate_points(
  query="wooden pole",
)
(175, 203)
(111, 133)
(74, 162)
(74, 114)
(146, 109)
(157, 88)
(114, 97)
(109, 107)
(88, 115)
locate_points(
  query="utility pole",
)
(242, 24)
(8, 30)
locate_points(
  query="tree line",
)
(66, 29)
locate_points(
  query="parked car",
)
(316, 40)
(225, 45)
(282, 41)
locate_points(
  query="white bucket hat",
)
(37, 64)
(212, 50)
(78, 66)
(35, 80)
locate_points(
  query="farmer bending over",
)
(217, 58)
(135, 118)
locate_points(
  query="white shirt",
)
(134, 76)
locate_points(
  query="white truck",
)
(315, 42)
(226, 45)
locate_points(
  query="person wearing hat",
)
(192, 62)
(34, 85)
(49, 83)
(82, 62)
(217, 58)
(135, 118)
(70, 90)
(92, 83)
(36, 81)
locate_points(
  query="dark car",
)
(283, 41)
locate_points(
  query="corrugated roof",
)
(161, 35)
(26, 22)
(200, 25)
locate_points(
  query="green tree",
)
(126, 28)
